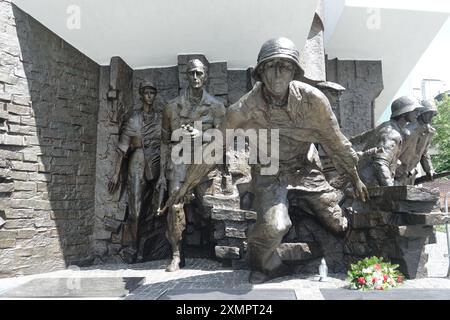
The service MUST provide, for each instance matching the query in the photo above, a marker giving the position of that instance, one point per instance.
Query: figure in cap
(302, 115)
(139, 143)
(196, 104)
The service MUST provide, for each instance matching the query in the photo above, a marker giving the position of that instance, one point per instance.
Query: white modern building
(152, 33)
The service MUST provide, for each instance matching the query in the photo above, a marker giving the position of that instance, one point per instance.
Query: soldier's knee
(279, 221)
(336, 221)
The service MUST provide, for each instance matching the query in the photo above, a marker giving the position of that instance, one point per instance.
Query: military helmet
(195, 64)
(428, 106)
(278, 48)
(404, 105)
(146, 84)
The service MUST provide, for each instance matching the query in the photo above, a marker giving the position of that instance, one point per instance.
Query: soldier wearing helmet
(378, 169)
(139, 142)
(303, 116)
(418, 136)
(195, 104)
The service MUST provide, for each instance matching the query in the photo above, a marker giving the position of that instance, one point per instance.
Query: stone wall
(48, 121)
(118, 82)
(60, 114)
(363, 83)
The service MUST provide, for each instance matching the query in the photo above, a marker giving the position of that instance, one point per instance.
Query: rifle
(435, 176)
(195, 174)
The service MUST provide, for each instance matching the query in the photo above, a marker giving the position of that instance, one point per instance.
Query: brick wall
(48, 121)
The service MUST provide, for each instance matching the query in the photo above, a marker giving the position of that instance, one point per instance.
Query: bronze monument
(303, 116)
(418, 136)
(378, 168)
(196, 104)
(140, 134)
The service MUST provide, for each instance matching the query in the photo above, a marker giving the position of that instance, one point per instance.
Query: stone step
(227, 252)
(415, 231)
(222, 201)
(233, 214)
(427, 218)
(408, 193)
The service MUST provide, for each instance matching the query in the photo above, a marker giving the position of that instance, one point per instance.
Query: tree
(441, 140)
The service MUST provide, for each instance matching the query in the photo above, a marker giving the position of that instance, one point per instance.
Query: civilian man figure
(194, 105)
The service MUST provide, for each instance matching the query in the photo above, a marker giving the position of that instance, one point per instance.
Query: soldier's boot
(175, 263)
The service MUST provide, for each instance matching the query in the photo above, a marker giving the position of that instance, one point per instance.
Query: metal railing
(447, 231)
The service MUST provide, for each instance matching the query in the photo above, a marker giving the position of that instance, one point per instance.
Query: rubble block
(406, 193)
(414, 231)
(236, 230)
(403, 217)
(423, 218)
(412, 263)
(227, 252)
(233, 214)
(222, 201)
(361, 219)
(298, 252)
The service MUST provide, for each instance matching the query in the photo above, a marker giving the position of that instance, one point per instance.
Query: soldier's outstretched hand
(361, 190)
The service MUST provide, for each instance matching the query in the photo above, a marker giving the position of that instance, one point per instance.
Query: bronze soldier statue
(418, 136)
(141, 134)
(378, 168)
(196, 104)
(303, 116)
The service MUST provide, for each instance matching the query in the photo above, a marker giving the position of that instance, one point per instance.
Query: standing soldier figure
(302, 115)
(194, 105)
(417, 141)
(378, 169)
(140, 134)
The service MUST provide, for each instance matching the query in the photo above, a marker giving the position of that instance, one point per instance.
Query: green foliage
(374, 274)
(441, 139)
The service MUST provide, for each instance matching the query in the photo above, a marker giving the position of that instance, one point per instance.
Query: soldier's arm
(331, 137)
(121, 150)
(390, 142)
(425, 160)
(426, 163)
(336, 143)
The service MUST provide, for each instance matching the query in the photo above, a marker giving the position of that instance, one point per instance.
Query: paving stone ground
(203, 275)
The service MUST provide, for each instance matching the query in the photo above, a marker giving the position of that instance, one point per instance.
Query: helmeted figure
(418, 136)
(303, 116)
(196, 104)
(378, 169)
(139, 142)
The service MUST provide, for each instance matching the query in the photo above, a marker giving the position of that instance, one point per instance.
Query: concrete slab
(217, 294)
(75, 287)
(393, 294)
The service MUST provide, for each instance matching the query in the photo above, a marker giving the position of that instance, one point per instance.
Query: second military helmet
(428, 106)
(403, 105)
